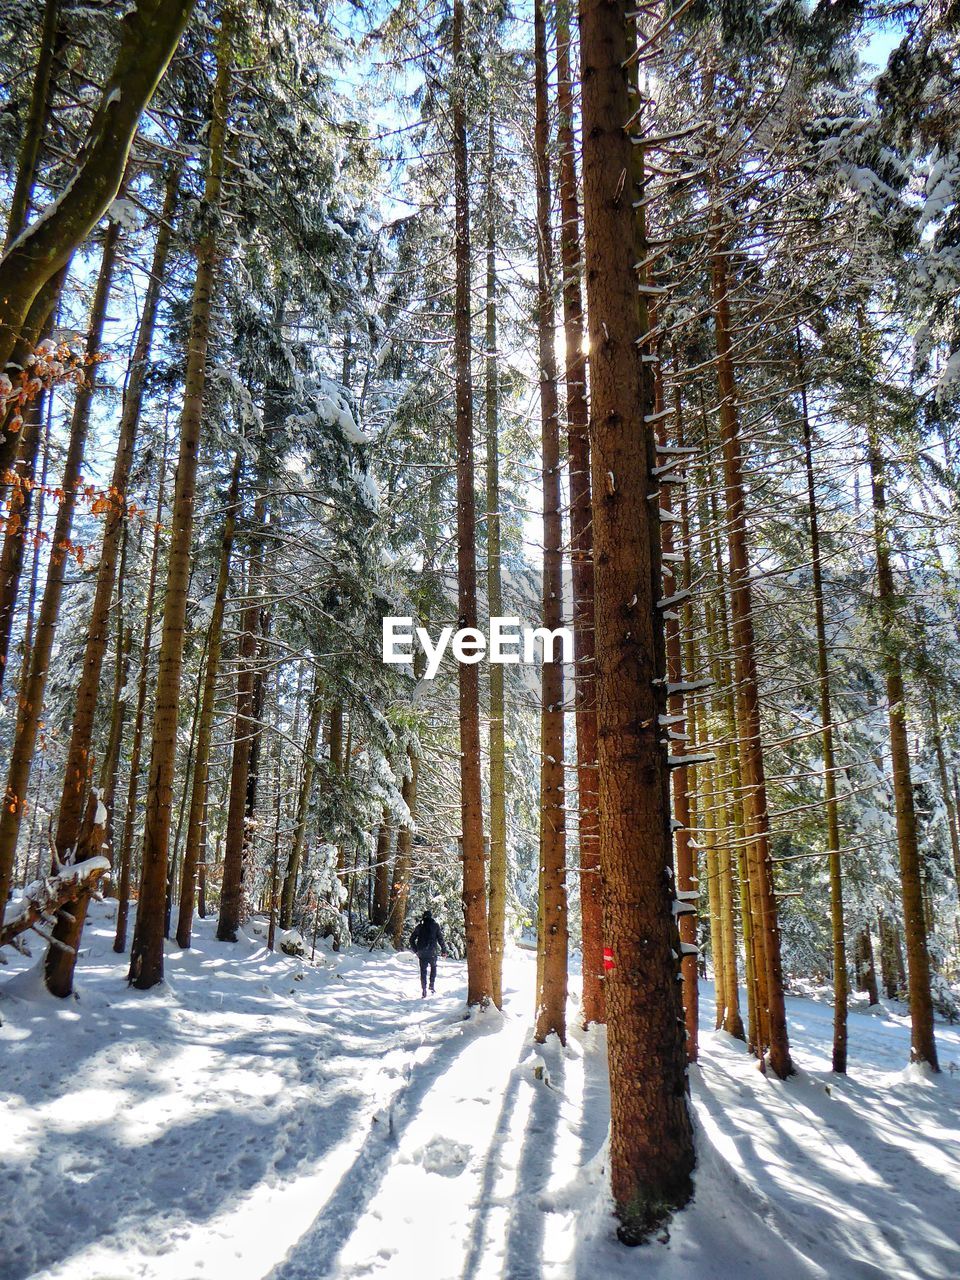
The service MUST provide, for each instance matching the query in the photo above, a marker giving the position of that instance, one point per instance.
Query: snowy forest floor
(260, 1117)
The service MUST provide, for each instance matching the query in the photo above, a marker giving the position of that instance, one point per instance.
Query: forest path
(255, 1117)
(263, 1119)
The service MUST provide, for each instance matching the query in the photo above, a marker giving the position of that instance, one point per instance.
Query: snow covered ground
(261, 1118)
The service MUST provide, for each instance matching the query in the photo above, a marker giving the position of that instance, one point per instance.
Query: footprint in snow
(444, 1157)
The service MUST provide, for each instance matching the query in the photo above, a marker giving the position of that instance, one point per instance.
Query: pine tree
(479, 985)
(196, 833)
(146, 955)
(651, 1142)
(581, 536)
(552, 995)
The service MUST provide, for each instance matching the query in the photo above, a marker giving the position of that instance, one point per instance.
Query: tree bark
(552, 996)
(288, 893)
(498, 766)
(733, 848)
(581, 540)
(235, 840)
(51, 895)
(196, 831)
(674, 732)
(866, 968)
(381, 881)
(892, 969)
(136, 746)
(922, 1043)
(110, 769)
(651, 1140)
(146, 953)
(173, 863)
(708, 810)
(477, 938)
(277, 814)
(93, 836)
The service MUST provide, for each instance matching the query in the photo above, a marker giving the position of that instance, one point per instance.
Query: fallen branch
(46, 897)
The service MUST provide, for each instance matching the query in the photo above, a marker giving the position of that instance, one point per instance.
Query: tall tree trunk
(498, 762)
(76, 769)
(552, 996)
(20, 205)
(945, 788)
(747, 685)
(336, 771)
(30, 702)
(651, 1139)
(146, 953)
(149, 33)
(922, 1044)
(110, 769)
(400, 890)
(289, 891)
(231, 891)
(18, 516)
(35, 124)
(891, 957)
(136, 746)
(173, 863)
(733, 852)
(381, 880)
(263, 620)
(72, 831)
(196, 834)
(581, 540)
(38, 540)
(60, 960)
(336, 737)
(674, 729)
(477, 938)
(727, 833)
(866, 969)
(708, 807)
(829, 763)
(274, 900)
(235, 841)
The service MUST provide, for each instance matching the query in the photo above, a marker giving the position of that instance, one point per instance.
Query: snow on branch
(45, 898)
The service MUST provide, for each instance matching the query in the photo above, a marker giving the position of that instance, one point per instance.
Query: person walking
(427, 941)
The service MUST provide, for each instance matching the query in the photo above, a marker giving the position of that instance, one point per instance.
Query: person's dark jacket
(427, 939)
